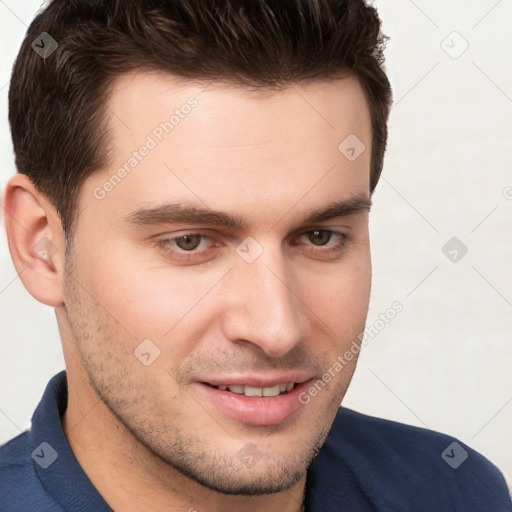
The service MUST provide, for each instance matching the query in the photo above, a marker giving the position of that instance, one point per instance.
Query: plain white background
(445, 361)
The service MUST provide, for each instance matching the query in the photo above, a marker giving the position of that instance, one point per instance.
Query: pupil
(188, 242)
(320, 237)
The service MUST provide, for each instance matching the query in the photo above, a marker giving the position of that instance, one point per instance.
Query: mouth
(281, 388)
(255, 402)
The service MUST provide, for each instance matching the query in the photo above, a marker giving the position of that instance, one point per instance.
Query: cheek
(340, 297)
(148, 298)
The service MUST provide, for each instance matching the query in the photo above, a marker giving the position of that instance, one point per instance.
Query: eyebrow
(173, 213)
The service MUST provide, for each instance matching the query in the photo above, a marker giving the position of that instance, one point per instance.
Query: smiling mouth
(254, 392)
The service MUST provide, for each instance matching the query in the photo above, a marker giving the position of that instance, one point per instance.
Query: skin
(145, 435)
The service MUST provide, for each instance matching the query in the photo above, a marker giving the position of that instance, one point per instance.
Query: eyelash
(165, 244)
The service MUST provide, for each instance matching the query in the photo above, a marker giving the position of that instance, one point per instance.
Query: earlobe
(35, 238)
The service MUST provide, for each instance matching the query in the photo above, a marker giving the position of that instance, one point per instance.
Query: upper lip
(258, 381)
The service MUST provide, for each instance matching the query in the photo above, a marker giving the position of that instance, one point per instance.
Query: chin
(268, 479)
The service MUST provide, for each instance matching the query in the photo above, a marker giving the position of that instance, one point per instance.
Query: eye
(319, 237)
(323, 237)
(187, 246)
(323, 244)
(188, 242)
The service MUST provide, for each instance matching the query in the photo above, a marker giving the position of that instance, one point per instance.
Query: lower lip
(255, 410)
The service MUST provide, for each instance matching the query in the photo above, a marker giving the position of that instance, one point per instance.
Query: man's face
(260, 301)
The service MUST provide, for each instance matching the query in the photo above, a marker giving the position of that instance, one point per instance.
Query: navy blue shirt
(366, 465)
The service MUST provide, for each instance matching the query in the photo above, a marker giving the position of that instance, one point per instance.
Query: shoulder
(20, 487)
(401, 467)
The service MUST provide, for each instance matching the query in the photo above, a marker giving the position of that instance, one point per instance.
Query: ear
(36, 240)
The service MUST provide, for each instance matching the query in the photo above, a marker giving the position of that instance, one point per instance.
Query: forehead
(149, 99)
(173, 139)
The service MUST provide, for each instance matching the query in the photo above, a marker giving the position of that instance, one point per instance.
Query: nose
(262, 305)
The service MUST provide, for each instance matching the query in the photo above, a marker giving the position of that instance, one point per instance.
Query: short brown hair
(57, 104)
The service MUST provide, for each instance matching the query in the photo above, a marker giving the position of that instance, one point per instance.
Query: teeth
(250, 391)
(253, 391)
(273, 391)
